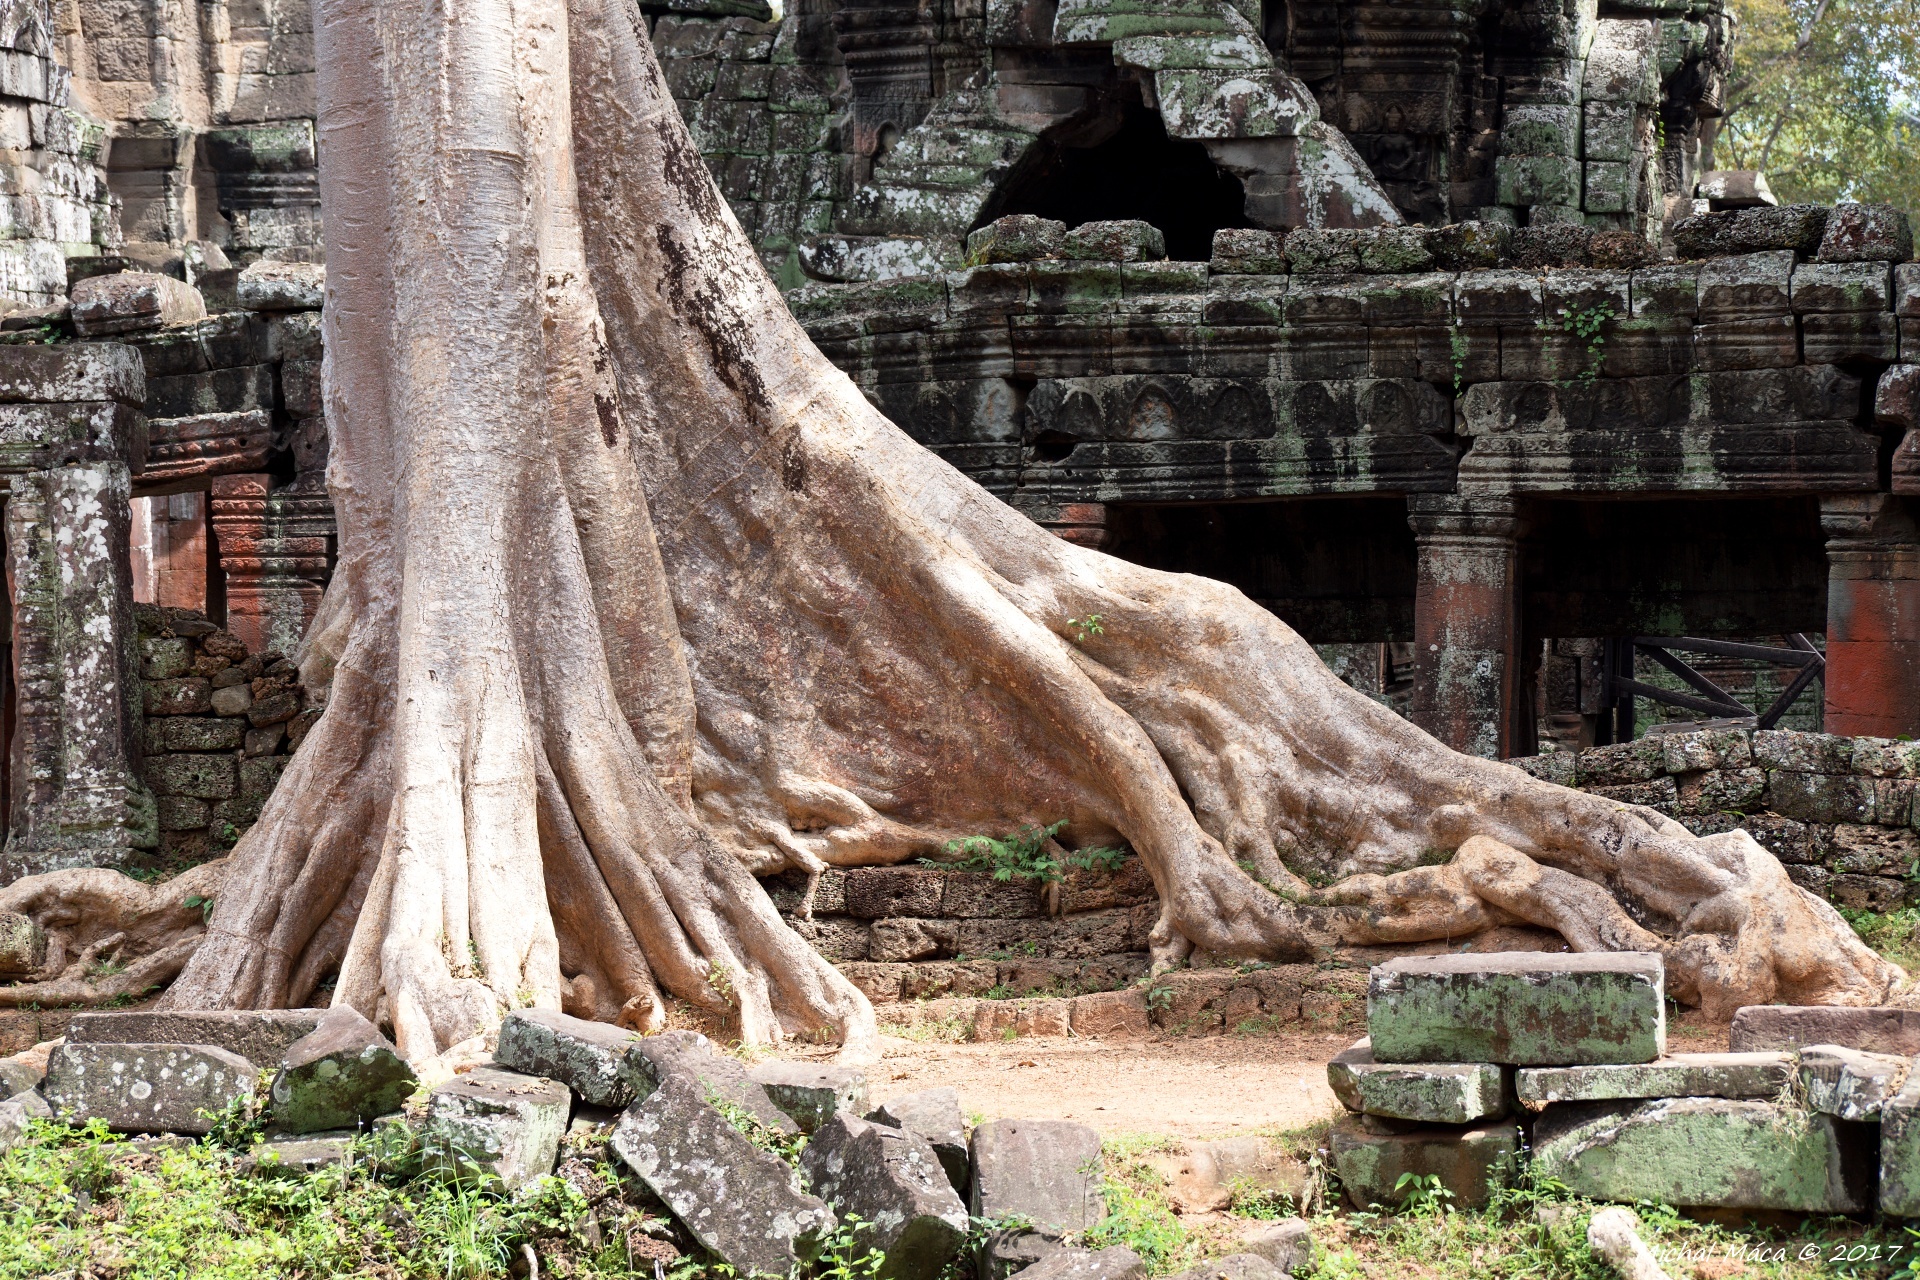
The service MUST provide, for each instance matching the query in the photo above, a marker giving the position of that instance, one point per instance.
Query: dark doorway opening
(1126, 166)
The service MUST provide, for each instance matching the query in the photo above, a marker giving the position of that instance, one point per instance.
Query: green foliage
(1422, 1193)
(845, 1256)
(1024, 855)
(1894, 934)
(239, 1124)
(1140, 1219)
(1825, 99)
(1588, 325)
(787, 1146)
(1091, 625)
(205, 904)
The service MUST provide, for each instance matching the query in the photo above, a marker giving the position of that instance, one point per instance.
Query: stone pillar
(69, 422)
(1873, 614)
(1466, 623)
(274, 559)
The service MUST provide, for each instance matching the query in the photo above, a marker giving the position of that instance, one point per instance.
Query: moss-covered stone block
(1431, 1092)
(209, 777)
(1523, 1008)
(1708, 1153)
(1681, 1075)
(1471, 1164)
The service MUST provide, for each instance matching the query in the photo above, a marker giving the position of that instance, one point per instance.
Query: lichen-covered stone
(1711, 235)
(1850, 1084)
(261, 1036)
(1471, 1163)
(23, 945)
(1287, 1244)
(811, 1092)
(1708, 1153)
(1019, 237)
(741, 1203)
(1112, 1263)
(298, 1157)
(1434, 1092)
(1119, 240)
(1760, 1027)
(651, 1060)
(1900, 1151)
(494, 1127)
(146, 1088)
(587, 1057)
(1047, 1171)
(1866, 233)
(1248, 251)
(1679, 1075)
(133, 301)
(1521, 1008)
(16, 1114)
(933, 1114)
(892, 1179)
(341, 1074)
(282, 286)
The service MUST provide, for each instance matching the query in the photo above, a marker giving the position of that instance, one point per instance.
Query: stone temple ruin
(1429, 327)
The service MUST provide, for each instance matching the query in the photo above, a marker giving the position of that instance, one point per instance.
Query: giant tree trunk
(638, 596)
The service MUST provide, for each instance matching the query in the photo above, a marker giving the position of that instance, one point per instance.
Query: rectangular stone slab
(1785, 1026)
(146, 1088)
(1470, 1163)
(1900, 1151)
(811, 1092)
(1523, 1008)
(1678, 1075)
(260, 1036)
(1707, 1153)
(587, 1057)
(497, 1125)
(1849, 1084)
(1434, 1092)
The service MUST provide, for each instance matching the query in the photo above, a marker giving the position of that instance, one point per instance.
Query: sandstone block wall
(220, 726)
(1838, 811)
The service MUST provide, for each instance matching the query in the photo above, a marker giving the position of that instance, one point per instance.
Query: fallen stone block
(1008, 1253)
(1678, 1075)
(146, 1088)
(132, 302)
(891, 1179)
(16, 1114)
(17, 1075)
(1758, 1027)
(1434, 1092)
(934, 1114)
(494, 1127)
(1848, 1083)
(1207, 1176)
(1126, 240)
(261, 1036)
(1235, 1266)
(1471, 1163)
(742, 1204)
(588, 1057)
(23, 945)
(1524, 1008)
(341, 1074)
(297, 1157)
(652, 1060)
(282, 286)
(1048, 1171)
(1019, 237)
(1287, 1244)
(811, 1092)
(1707, 1153)
(1900, 1152)
(1114, 1263)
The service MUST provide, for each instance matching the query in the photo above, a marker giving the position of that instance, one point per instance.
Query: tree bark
(639, 596)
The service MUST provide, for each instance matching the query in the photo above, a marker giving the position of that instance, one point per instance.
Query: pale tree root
(110, 938)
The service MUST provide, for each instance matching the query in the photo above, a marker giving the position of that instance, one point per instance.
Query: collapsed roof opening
(1123, 165)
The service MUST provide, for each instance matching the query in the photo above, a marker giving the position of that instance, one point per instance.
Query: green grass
(1894, 934)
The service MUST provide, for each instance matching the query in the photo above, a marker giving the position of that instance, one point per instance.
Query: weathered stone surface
(587, 1057)
(23, 945)
(19, 1074)
(1045, 1170)
(1113, 1263)
(1235, 1266)
(811, 1092)
(1678, 1075)
(1900, 1152)
(74, 372)
(1118, 1015)
(1760, 1027)
(282, 286)
(1524, 1008)
(1850, 1083)
(261, 1036)
(892, 1179)
(1121, 240)
(296, 1157)
(16, 1114)
(341, 1074)
(1020, 237)
(1866, 233)
(688, 1054)
(1287, 1244)
(1470, 1163)
(1707, 1152)
(146, 1088)
(1247, 251)
(933, 1114)
(739, 1202)
(1796, 226)
(495, 1127)
(1434, 1092)
(133, 301)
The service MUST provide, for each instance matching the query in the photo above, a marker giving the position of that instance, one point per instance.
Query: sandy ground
(1189, 1087)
